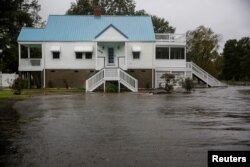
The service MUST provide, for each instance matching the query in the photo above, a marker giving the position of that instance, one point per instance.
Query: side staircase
(111, 74)
(203, 75)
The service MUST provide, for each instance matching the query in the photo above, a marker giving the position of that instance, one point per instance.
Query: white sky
(229, 18)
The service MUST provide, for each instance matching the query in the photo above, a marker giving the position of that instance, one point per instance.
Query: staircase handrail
(88, 86)
(134, 85)
(203, 74)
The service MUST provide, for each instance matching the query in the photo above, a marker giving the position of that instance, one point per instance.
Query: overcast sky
(229, 18)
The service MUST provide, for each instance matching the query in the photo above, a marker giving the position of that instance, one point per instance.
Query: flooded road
(125, 129)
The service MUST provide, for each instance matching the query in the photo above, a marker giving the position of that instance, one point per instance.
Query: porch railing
(129, 81)
(95, 80)
(111, 74)
(167, 37)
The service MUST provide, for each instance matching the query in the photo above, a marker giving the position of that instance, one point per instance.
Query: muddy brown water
(125, 129)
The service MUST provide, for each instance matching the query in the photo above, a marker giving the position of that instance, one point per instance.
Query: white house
(88, 51)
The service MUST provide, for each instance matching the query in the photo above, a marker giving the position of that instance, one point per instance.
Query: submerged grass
(9, 93)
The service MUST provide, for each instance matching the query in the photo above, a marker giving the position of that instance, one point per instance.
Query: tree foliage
(202, 45)
(15, 15)
(237, 59)
(118, 7)
(161, 25)
(108, 7)
(80, 7)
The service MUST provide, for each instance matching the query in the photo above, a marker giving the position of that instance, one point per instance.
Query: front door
(111, 56)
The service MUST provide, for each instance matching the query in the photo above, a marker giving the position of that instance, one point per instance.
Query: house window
(78, 55)
(36, 52)
(24, 52)
(136, 55)
(56, 55)
(162, 53)
(177, 53)
(88, 55)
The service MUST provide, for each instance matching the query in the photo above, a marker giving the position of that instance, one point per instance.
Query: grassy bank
(9, 93)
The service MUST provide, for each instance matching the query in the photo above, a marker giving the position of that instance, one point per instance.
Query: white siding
(67, 56)
(146, 56)
(170, 63)
(111, 34)
(119, 51)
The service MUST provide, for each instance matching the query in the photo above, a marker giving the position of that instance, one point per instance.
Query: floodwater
(126, 129)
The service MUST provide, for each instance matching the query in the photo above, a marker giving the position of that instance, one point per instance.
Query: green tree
(161, 25)
(118, 7)
(244, 52)
(231, 65)
(237, 59)
(15, 15)
(108, 7)
(80, 7)
(202, 45)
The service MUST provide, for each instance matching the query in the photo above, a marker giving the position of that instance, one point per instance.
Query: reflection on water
(125, 129)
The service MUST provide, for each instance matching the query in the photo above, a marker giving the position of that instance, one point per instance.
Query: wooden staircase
(111, 74)
(203, 75)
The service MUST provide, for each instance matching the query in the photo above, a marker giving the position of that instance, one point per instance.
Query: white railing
(96, 80)
(203, 75)
(112, 74)
(170, 37)
(129, 81)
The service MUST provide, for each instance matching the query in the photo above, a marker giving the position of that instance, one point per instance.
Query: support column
(207, 80)
(126, 56)
(96, 55)
(28, 52)
(28, 76)
(19, 52)
(104, 86)
(119, 86)
(44, 79)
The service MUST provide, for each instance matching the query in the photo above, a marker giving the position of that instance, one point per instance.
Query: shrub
(111, 88)
(188, 84)
(18, 85)
(169, 79)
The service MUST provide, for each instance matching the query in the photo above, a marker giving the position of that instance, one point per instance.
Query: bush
(111, 88)
(188, 84)
(169, 79)
(18, 85)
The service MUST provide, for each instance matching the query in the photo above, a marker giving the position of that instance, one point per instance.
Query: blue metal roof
(86, 28)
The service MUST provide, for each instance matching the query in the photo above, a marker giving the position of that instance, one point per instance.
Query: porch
(111, 55)
(30, 57)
